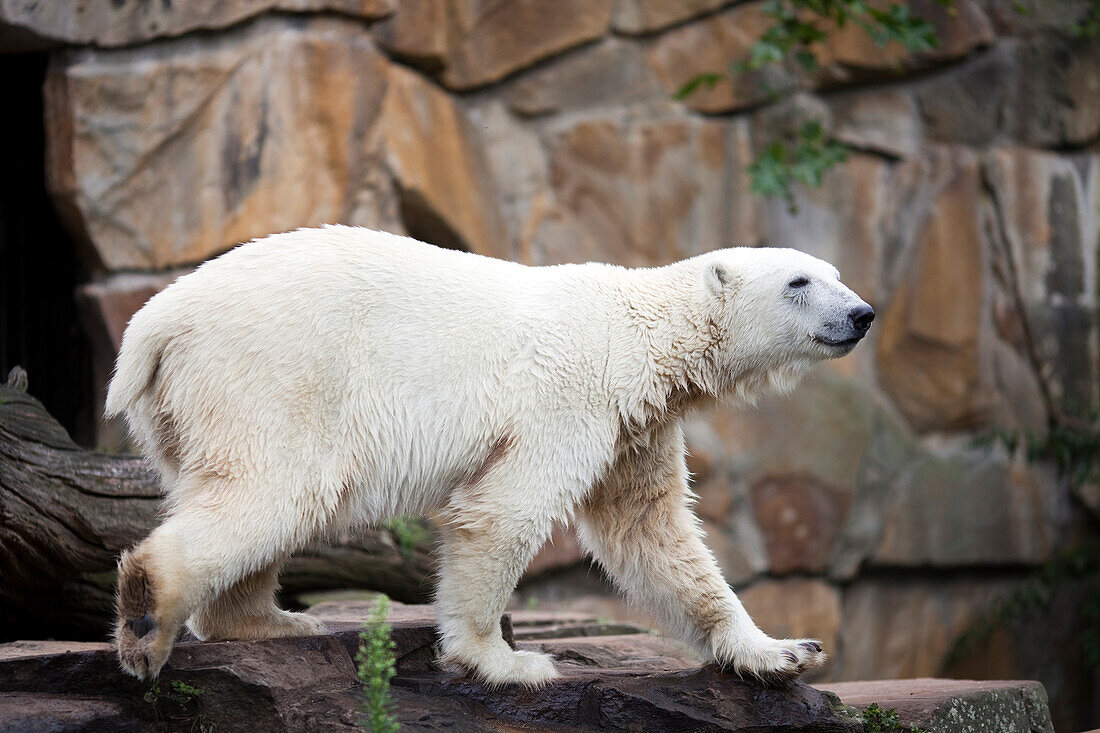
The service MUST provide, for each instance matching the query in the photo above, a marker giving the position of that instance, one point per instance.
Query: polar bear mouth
(838, 343)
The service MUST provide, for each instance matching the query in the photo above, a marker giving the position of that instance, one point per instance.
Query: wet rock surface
(614, 677)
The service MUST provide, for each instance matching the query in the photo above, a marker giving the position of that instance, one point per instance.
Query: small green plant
(376, 666)
(409, 533)
(805, 156)
(877, 720)
(178, 704)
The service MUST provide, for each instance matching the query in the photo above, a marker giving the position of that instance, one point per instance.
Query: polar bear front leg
(639, 526)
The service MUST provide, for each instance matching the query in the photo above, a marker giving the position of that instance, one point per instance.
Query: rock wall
(859, 509)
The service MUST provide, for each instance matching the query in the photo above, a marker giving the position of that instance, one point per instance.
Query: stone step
(633, 681)
(953, 705)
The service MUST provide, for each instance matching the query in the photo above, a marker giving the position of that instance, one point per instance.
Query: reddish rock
(560, 551)
(800, 518)
(934, 704)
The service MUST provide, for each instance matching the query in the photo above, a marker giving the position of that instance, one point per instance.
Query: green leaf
(709, 80)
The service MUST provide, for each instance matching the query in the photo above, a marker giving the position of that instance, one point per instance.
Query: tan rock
(490, 39)
(848, 51)
(712, 45)
(796, 608)
(612, 72)
(962, 510)
(417, 33)
(107, 24)
(894, 629)
(928, 350)
(651, 192)
(447, 194)
(883, 120)
(288, 125)
(165, 156)
(646, 16)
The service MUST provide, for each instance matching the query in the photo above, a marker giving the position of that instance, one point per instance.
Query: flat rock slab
(953, 705)
(610, 682)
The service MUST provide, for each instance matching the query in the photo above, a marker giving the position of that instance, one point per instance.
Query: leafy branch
(797, 27)
(804, 156)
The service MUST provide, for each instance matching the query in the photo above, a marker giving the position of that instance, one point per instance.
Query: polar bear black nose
(861, 317)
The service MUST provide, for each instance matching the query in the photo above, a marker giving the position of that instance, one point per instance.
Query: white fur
(333, 377)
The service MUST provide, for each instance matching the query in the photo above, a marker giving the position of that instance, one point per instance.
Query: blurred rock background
(876, 507)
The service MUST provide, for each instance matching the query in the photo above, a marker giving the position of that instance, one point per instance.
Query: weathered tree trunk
(67, 512)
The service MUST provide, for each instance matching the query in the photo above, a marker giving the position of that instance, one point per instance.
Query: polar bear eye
(798, 282)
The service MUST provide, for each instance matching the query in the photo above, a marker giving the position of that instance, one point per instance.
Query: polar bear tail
(138, 361)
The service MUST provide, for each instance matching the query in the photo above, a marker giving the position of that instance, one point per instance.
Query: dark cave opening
(39, 270)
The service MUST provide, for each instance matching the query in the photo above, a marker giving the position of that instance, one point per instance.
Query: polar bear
(327, 378)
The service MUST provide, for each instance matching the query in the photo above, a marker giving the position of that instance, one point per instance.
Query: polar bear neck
(685, 363)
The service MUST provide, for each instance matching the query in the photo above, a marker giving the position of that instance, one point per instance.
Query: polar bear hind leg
(208, 557)
(248, 611)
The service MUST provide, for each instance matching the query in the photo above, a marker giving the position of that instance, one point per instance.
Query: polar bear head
(780, 310)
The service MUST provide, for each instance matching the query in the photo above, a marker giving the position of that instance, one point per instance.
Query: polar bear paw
(772, 661)
(497, 665)
(143, 646)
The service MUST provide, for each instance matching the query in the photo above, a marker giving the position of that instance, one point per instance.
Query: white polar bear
(332, 377)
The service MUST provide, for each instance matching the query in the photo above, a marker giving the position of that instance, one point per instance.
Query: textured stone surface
(965, 511)
(928, 350)
(646, 16)
(898, 628)
(33, 25)
(647, 193)
(954, 705)
(446, 194)
(609, 73)
(634, 682)
(165, 156)
(712, 45)
(486, 41)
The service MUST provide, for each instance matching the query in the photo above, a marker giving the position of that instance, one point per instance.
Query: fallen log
(66, 513)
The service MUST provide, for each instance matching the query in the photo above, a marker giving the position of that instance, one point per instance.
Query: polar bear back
(358, 353)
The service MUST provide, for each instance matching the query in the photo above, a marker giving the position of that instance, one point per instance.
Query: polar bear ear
(719, 279)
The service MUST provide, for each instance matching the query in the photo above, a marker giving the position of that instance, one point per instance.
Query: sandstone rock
(636, 652)
(800, 518)
(651, 192)
(106, 307)
(948, 705)
(796, 608)
(646, 16)
(1032, 92)
(447, 196)
(885, 121)
(849, 53)
(483, 42)
(896, 629)
(121, 23)
(611, 72)
(712, 45)
(291, 125)
(962, 510)
(417, 33)
(260, 135)
(928, 340)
